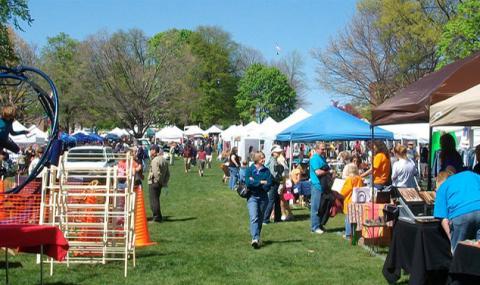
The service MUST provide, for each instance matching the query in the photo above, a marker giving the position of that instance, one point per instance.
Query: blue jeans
(465, 227)
(273, 204)
(314, 206)
(256, 205)
(233, 177)
(348, 227)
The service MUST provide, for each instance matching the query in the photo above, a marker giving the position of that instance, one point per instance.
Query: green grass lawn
(206, 240)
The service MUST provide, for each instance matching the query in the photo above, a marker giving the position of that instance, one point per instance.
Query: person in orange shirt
(353, 180)
(381, 166)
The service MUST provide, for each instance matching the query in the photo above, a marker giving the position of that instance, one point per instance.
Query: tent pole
(371, 176)
(290, 158)
(430, 158)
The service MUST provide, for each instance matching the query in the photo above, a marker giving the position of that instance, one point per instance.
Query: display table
(34, 239)
(465, 267)
(422, 250)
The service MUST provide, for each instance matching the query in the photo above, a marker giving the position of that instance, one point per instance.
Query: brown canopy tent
(412, 103)
(461, 110)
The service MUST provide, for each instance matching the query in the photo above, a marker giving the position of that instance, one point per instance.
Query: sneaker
(256, 244)
(317, 231)
(283, 218)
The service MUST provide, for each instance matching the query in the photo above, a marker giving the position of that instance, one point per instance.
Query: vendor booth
(232, 134)
(119, 132)
(329, 125)
(213, 130)
(420, 246)
(193, 131)
(170, 134)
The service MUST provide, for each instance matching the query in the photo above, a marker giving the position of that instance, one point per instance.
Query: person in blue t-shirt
(457, 203)
(318, 167)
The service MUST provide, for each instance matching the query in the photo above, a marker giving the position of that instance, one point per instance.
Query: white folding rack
(94, 208)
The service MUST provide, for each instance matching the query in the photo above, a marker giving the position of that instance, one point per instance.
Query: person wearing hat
(157, 178)
(276, 169)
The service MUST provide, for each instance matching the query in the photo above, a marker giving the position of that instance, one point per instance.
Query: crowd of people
(273, 188)
(302, 174)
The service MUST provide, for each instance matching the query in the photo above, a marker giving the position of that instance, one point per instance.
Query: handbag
(242, 190)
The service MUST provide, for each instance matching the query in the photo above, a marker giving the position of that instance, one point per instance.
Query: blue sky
(299, 25)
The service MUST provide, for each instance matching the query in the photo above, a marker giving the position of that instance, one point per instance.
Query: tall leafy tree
(217, 82)
(264, 91)
(183, 100)
(461, 35)
(210, 83)
(12, 12)
(61, 62)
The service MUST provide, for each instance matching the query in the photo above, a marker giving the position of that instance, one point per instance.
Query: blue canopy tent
(95, 137)
(90, 138)
(332, 124)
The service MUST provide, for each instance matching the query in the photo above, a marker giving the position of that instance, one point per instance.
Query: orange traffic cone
(142, 237)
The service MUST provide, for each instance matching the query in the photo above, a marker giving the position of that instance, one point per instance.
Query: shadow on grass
(301, 217)
(270, 242)
(171, 219)
(299, 209)
(150, 254)
(334, 230)
(10, 265)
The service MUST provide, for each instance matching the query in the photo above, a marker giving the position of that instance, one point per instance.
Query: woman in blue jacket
(258, 180)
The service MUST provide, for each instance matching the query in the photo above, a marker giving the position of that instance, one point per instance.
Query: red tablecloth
(29, 238)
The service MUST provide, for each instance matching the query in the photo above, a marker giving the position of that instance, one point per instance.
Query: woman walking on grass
(233, 167)
(258, 180)
(201, 159)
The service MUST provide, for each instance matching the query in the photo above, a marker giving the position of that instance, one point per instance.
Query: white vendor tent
(213, 130)
(297, 116)
(35, 136)
(249, 130)
(170, 134)
(267, 129)
(419, 132)
(119, 132)
(459, 110)
(231, 133)
(194, 131)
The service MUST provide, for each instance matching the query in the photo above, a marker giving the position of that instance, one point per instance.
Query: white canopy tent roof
(119, 132)
(35, 135)
(419, 132)
(194, 130)
(213, 130)
(267, 129)
(170, 133)
(297, 116)
(459, 110)
(249, 130)
(231, 133)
